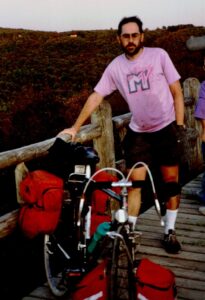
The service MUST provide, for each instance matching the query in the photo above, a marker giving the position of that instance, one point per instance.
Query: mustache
(131, 44)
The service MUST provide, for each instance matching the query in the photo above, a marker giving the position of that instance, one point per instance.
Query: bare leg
(134, 194)
(171, 173)
(170, 241)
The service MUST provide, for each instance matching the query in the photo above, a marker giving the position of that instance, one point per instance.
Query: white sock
(170, 220)
(132, 220)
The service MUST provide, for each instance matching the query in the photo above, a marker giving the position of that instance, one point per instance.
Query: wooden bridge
(188, 266)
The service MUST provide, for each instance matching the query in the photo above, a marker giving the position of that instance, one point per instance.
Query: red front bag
(93, 285)
(154, 282)
(43, 194)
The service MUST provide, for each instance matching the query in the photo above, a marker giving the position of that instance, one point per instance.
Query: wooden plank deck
(189, 265)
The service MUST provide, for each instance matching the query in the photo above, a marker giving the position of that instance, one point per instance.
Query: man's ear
(118, 39)
(142, 37)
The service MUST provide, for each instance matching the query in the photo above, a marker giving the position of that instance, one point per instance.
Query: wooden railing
(100, 131)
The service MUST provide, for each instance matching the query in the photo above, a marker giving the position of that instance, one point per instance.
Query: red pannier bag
(100, 202)
(94, 285)
(42, 193)
(154, 282)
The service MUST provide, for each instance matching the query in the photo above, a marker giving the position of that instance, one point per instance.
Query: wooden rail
(100, 131)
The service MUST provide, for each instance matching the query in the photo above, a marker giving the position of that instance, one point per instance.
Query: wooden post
(191, 90)
(20, 173)
(104, 144)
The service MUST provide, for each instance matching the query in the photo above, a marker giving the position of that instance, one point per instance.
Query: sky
(68, 15)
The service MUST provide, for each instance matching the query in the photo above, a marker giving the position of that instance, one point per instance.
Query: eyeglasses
(127, 36)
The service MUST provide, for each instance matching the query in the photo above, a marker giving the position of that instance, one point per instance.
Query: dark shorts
(158, 147)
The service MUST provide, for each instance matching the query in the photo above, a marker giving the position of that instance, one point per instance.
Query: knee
(171, 189)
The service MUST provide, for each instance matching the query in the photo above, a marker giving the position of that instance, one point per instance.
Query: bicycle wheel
(63, 261)
(122, 286)
(57, 249)
(54, 267)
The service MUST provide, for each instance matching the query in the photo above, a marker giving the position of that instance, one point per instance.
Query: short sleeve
(106, 84)
(169, 69)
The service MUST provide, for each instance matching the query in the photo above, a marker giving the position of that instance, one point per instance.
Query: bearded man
(148, 81)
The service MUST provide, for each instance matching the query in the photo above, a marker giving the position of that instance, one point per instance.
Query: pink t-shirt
(144, 84)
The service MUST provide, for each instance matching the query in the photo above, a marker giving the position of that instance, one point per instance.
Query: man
(200, 114)
(148, 81)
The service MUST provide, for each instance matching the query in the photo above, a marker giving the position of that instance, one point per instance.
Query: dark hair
(126, 20)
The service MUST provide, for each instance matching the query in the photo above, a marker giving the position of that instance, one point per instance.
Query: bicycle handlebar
(113, 184)
(106, 185)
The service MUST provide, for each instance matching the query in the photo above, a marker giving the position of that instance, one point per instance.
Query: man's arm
(91, 104)
(177, 94)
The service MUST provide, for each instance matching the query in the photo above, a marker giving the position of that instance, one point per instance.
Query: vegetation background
(45, 78)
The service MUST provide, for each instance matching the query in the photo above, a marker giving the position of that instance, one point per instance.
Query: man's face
(131, 40)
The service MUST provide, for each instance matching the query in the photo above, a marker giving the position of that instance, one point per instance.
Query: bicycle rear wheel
(57, 249)
(54, 267)
(63, 261)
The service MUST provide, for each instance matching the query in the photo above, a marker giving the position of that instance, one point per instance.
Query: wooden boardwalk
(188, 266)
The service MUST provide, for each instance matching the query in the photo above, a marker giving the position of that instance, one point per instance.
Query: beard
(131, 49)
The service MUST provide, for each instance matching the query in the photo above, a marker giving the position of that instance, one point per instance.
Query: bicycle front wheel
(54, 267)
(121, 268)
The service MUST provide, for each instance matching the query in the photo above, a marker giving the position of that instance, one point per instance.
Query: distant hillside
(46, 76)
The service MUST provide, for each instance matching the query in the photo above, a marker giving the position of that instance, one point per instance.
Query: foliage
(47, 76)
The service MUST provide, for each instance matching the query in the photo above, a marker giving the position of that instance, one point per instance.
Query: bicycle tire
(121, 269)
(54, 267)
(61, 258)
(55, 262)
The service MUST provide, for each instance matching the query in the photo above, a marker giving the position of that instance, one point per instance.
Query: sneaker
(170, 243)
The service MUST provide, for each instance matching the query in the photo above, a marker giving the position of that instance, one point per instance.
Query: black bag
(63, 156)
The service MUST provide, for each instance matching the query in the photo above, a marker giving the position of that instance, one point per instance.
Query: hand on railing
(70, 131)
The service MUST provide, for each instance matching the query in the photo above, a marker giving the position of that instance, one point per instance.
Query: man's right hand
(71, 131)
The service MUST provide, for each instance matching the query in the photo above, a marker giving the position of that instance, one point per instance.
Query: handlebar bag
(43, 195)
(154, 281)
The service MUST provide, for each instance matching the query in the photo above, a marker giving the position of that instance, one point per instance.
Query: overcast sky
(66, 15)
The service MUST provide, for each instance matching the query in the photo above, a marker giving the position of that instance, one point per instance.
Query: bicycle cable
(156, 201)
(101, 170)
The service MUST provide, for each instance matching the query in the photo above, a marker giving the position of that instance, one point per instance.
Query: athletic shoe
(170, 243)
